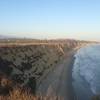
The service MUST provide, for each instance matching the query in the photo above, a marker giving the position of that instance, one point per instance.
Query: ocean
(86, 72)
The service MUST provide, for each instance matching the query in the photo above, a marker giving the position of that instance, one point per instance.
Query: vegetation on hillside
(26, 65)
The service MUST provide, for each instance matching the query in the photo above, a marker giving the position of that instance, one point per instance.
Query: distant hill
(8, 37)
(3, 37)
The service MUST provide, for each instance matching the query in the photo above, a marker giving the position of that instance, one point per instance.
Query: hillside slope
(26, 65)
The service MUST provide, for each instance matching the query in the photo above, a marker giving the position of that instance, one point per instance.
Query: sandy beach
(59, 81)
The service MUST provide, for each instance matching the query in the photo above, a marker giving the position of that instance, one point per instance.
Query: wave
(87, 67)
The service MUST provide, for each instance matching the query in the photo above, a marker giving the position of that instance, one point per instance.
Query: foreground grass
(18, 94)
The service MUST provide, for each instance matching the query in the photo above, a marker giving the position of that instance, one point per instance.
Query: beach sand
(59, 81)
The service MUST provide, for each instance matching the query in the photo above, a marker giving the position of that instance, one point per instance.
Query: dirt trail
(59, 81)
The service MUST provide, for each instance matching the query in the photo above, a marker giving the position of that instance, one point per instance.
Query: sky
(79, 19)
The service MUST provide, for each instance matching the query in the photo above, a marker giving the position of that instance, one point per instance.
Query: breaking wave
(86, 71)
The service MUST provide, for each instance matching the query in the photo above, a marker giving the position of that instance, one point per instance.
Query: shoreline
(59, 82)
(70, 88)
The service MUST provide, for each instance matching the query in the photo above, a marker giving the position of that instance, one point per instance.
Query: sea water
(86, 72)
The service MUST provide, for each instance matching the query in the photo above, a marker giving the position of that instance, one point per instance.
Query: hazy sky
(50, 18)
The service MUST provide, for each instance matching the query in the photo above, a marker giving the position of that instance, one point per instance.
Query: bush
(96, 97)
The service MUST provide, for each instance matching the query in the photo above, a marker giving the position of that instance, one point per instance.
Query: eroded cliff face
(27, 65)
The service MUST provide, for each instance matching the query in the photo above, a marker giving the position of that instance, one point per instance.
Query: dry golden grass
(18, 94)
